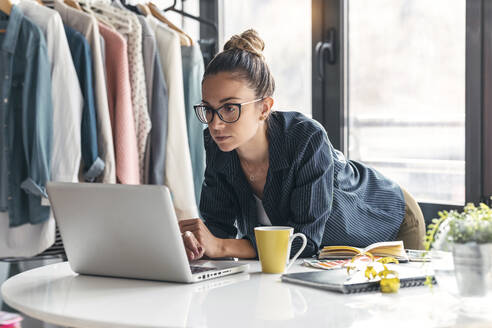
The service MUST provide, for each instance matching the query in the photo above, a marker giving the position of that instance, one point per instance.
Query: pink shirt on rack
(120, 106)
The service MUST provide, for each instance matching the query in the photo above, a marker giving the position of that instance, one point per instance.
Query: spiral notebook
(340, 281)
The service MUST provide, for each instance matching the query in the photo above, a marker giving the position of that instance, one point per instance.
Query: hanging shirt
(93, 165)
(103, 55)
(120, 107)
(160, 122)
(67, 104)
(179, 176)
(193, 70)
(26, 117)
(87, 25)
(132, 30)
(27, 120)
(155, 156)
(149, 50)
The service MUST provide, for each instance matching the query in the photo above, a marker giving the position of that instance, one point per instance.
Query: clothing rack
(201, 20)
(55, 251)
(209, 46)
(209, 49)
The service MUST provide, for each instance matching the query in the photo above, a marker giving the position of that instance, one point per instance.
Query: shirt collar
(13, 27)
(228, 162)
(69, 14)
(62, 9)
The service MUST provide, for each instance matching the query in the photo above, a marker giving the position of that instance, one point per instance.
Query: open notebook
(340, 281)
(388, 248)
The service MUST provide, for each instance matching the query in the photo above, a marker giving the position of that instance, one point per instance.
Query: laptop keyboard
(198, 269)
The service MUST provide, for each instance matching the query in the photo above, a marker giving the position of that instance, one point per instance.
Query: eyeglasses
(228, 113)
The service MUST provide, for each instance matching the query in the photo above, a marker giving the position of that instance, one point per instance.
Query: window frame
(329, 95)
(209, 10)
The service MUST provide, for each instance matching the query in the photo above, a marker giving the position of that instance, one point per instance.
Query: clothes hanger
(144, 9)
(99, 17)
(5, 7)
(87, 7)
(209, 42)
(185, 14)
(120, 22)
(72, 3)
(48, 3)
(186, 40)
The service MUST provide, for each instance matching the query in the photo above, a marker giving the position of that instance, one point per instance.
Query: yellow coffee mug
(274, 247)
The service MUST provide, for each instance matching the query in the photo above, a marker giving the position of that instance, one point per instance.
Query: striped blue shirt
(310, 186)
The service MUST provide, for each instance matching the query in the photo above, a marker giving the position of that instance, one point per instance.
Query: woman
(279, 168)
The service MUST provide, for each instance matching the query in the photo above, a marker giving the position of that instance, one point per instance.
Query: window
(285, 26)
(405, 93)
(402, 85)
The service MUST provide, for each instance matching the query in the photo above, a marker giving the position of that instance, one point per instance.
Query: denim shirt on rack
(81, 55)
(26, 119)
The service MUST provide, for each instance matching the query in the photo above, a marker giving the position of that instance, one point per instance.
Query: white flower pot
(473, 268)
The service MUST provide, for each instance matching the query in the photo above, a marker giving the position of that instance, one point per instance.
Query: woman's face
(223, 88)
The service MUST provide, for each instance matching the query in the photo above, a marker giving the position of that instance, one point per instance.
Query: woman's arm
(214, 247)
(241, 248)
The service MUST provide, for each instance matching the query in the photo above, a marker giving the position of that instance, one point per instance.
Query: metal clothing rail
(201, 20)
(55, 251)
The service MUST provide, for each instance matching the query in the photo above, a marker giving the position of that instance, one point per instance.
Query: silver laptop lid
(120, 230)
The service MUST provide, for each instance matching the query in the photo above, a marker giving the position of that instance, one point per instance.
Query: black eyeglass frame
(216, 111)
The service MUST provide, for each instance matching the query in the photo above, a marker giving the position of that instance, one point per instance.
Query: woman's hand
(194, 250)
(211, 244)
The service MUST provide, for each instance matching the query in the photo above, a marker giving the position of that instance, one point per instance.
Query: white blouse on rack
(179, 174)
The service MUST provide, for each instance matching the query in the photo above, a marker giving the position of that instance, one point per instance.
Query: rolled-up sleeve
(93, 165)
(37, 122)
(312, 196)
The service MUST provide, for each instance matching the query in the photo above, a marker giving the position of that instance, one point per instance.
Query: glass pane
(406, 93)
(285, 26)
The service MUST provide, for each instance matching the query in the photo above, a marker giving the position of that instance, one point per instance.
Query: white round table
(57, 295)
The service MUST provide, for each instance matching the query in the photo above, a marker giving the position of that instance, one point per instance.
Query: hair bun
(248, 41)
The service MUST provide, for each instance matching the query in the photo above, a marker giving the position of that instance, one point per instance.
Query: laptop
(128, 231)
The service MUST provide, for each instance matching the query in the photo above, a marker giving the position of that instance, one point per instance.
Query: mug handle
(304, 243)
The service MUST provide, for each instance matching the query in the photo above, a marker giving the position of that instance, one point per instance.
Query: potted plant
(469, 235)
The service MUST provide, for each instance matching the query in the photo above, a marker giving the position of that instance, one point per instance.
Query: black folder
(339, 281)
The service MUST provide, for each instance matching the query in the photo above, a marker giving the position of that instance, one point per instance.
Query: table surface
(57, 295)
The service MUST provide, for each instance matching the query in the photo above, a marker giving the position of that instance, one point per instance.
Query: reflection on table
(56, 294)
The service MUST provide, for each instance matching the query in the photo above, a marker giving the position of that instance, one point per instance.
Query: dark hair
(242, 55)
